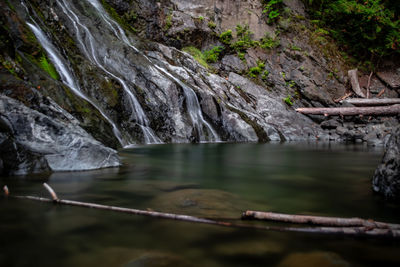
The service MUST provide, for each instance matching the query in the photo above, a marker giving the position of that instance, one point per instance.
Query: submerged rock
(32, 142)
(158, 260)
(200, 202)
(386, 179)
(316, 258)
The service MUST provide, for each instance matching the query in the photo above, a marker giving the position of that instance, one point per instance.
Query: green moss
(48, 67)
(212, 25)
(294, 48)
(197, 55)
(120, 20)
(168, 22)
(110, 92)
(10, 5)
(288, 100)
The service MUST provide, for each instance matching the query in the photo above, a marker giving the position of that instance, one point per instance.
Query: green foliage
(130, 17)
(208, 56)
(288, 100)
(212, 25)
(367, 28)
(114, 14)
(255, 71)
(242, 55)
(226, 37)
(168, 22)
(197, 55)
(201, 18)
(268, 42)
(212, 55)
(273, 9)
(264, 75)
(294, 48)
(244, 40)
(48, 67)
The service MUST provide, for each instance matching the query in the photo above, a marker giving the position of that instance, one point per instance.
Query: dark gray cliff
(118, 68)
(386, 179)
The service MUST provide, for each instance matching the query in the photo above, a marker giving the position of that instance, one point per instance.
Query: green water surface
(216, 181)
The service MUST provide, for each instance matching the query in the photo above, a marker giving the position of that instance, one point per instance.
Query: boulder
(386, 179)
(32, 142)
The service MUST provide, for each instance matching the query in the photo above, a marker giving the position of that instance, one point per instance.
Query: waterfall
(90, 47)
(66, 74)
(192, 103)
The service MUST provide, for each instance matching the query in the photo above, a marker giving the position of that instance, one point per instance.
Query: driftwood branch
(346, 231)
(355, 85)
(369, 84)
(373, 101)
(318, 220)
(6, 191)
(51, 192)
(352, 111)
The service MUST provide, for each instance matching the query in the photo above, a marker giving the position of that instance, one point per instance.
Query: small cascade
(192, 101)
(193, 106)
(66, 74)
(107, 63)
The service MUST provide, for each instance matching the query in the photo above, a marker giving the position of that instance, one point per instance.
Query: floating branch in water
(319, 220)
(6, 191)
(347, 231)
(51, 191)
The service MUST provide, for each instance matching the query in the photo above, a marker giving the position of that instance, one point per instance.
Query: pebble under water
(208, 180)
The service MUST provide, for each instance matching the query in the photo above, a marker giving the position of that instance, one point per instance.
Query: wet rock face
(386, 179)
(31, 141)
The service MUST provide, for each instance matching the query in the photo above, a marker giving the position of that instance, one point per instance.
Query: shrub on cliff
(368, 29)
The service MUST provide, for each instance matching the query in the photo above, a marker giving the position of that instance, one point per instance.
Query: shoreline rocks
(32, 142)
(386, 180)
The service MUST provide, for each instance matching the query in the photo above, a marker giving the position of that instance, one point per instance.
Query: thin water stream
(192, 103)
(207, 180)
(66, 74)
(93, 48)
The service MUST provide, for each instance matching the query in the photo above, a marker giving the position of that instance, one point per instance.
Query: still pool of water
(206, 180)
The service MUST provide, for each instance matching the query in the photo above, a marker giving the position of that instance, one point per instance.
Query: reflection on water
(208, 180)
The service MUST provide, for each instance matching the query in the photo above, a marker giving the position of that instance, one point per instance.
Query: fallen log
(355, 85)
(372, 101)
(345, 231)
(353, 111)
(318, 220)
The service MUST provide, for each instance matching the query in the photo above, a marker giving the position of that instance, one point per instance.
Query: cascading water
(108, 63)
(192, 103)
(66, 74)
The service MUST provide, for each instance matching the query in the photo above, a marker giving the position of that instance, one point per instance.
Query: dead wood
(318, 220)
(345, 231)
(355, 85)
(373, 101)
(353, 111)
